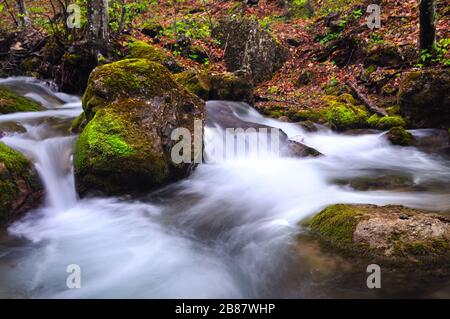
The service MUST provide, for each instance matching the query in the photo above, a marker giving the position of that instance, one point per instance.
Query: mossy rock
(131, 108)
(232, 87)
(77, 125)
(142, 50)
(197, 83)
(386, 122)
(20, 187)
(152, 28)
(125, 79)
(395, 235)
(399, 136)
(249, 47)
(11, 102)
(424, 100)
(346, 116)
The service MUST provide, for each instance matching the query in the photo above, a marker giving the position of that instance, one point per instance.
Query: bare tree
(427, 24)
(98, 19)
(23, 13)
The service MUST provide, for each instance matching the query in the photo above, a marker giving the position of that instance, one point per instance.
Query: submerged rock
(297, 149)
(399, 136)
(20, 187)
(394, 234)
(11, 102)
(249, 47)
(131, 108)
(424, 100)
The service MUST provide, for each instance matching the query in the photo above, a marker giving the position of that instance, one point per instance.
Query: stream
(230, 230)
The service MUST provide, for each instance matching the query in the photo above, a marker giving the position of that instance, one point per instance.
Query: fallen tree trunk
(373, 108)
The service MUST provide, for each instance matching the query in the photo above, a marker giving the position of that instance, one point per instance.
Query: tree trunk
(98, 19)
(23, 13)
(427, 24)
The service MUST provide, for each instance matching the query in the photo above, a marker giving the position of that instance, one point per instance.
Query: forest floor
(329, 43)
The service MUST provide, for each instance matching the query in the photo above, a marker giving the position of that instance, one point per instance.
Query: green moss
(143, 50)
(13, 160)
(373, 120)
(436, 247)
(104, 136)
(385, 122)
(11, 102)
(347, 99)
(8, 191)
(393, 110)
(342, 116)
(336, 89)
(112, 153)
(12, 164)
(336, 223)
(399, 136)
(151, 28)
(370, 69)
(388, 122)
(78, 123)
(126, 78)
(196, 83)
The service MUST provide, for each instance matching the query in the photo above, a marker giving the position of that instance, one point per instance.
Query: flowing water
(230, 230)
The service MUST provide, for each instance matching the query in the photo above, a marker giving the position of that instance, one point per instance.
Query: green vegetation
(399, 136)
(11, 102)
(143, 50)
(336, 223)
(386, 122)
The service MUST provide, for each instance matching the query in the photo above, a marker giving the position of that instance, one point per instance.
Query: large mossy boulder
(131, 108)
(391, 234)
(20, 187)
(424, 100)
(11, 102)
(250, 48)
